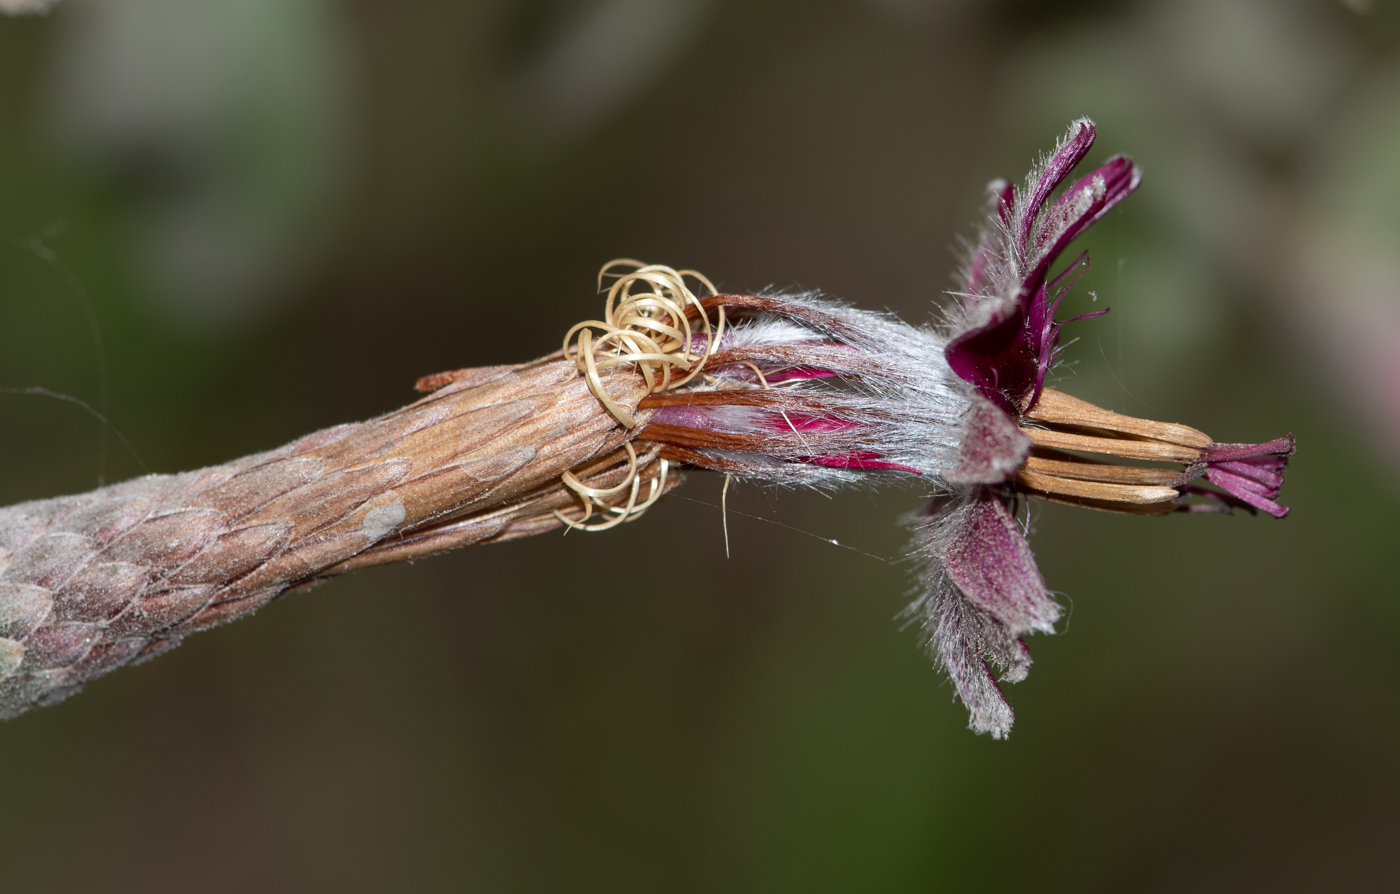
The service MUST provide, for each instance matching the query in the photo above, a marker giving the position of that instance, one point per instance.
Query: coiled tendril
(645, 326)
(648, 330)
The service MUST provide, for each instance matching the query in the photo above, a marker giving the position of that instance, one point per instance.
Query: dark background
(227, 224)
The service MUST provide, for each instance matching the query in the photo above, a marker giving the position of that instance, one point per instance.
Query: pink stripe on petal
(802, 422)
(864, 460)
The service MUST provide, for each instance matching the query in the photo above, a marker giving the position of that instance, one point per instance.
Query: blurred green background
(226, 224)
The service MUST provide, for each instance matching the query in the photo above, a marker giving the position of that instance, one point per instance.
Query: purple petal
(1249, 474)
(1003, 196)
(992, 449)
(1068, 154)
(1009, 345)
(1279, 447)
(990, 562)
(1090, 198)
(1220, 477)
(1253, 472)
(1105, 187)
(1244, 490)
(1006, 200)
(996, 356)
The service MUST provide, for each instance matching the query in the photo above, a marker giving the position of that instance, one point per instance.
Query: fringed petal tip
(986, 557)
(971, 647)
(962, 640)
(987, 708)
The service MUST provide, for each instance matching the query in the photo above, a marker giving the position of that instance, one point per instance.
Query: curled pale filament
(593, 497)
(645, 326)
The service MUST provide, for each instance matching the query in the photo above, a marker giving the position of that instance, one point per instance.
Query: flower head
(1007, 337)
(799, 389)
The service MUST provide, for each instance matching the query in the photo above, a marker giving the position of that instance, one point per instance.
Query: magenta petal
(1009, 344)
(1279, 447)
(1250, 474)
(1003, 196)
(1090, 198)
(1100, 190)
(996, 357)
(799, 372)
(993, 448)
(1253, 472)
(1245, 491)
(991, 563)
(1236, 483)
(1069, 154)
(1006, 200)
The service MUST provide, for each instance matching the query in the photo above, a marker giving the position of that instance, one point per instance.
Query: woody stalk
(778, 387)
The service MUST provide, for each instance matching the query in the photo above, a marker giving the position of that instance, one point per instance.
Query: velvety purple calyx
(992, 449)
(992, 565)
(983, 594)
